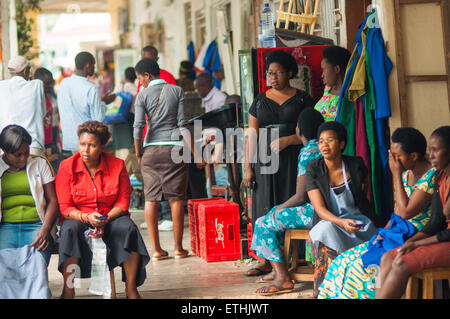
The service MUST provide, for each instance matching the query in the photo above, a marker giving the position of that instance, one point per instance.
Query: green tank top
(18, 205)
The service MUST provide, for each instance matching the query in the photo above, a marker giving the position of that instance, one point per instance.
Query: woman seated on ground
(296, 212)
(353, 273)
(29, 206)
(336, 186)
(92, 184)
(429, 248)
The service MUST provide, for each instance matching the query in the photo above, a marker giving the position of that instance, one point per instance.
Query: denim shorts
(17, 235)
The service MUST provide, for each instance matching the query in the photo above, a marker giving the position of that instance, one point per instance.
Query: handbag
(119, 114)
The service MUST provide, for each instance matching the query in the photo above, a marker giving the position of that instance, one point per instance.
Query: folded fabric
(393, 237)
(23, 274)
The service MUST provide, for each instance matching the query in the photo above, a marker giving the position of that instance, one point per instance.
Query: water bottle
(268, 27)
(260, 35)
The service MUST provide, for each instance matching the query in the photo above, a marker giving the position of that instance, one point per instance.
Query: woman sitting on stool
(336, 185)
(91, 184)
(429, 248)
(295, 213)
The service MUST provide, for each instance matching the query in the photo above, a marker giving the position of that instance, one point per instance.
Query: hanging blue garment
(381, 67)
(191, 53)
(211, 62)
(393, 237)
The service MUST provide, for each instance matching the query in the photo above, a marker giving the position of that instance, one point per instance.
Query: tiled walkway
(183, 278)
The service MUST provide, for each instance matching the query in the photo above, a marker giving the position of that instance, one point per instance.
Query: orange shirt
(77, 190)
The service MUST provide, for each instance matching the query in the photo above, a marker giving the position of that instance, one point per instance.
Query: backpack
(118, 114)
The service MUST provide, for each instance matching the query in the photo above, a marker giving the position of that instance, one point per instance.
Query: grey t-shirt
(169, 116)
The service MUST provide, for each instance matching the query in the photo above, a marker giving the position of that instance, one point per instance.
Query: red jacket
(76, 190)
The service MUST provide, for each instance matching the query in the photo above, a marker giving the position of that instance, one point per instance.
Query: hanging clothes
(191, 57)
(211, 62)
(366, 83)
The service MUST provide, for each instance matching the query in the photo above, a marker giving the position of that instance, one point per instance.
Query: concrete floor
(189, 278)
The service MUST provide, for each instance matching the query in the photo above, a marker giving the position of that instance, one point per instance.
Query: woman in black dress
(274, 110)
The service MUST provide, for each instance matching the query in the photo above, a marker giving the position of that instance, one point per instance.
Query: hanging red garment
(361, 144)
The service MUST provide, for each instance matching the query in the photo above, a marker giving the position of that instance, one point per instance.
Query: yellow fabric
(358, 86)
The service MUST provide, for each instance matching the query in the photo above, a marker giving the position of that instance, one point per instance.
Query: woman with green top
(334, 66)
(353, 274)
(29, 205)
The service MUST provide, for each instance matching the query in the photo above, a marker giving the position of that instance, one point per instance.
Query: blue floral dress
(268, 236)
(347, 278)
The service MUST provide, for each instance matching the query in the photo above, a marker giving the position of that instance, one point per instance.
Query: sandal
(162, 256)
(181, 255)
(278, 290)
(256, 272)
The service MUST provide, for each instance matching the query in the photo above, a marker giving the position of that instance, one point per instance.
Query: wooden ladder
(302, 18)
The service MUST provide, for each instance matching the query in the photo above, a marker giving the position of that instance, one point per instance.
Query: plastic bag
(100, 284)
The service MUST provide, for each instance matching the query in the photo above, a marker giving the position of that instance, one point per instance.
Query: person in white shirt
(79, 101)
(211, 96)
(23, 103)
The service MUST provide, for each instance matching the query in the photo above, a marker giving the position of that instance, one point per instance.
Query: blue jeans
(17, 235)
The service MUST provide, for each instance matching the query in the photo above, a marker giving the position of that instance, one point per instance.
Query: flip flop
(160, 257)
(280, 290)
(258, 272)
(181, 255)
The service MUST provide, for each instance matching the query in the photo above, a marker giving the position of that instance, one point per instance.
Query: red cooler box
(219, 232)
(193, 220)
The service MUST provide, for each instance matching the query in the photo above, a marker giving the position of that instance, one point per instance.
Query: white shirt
(214, 99)
(23, 103)
(39, 173)
(78, 102)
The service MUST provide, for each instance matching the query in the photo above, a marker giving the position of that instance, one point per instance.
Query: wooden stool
(297, 272)
(428, 277)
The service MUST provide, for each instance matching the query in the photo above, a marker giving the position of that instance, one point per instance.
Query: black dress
(276, 187)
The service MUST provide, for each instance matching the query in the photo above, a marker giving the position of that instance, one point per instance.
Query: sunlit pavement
(188, 278)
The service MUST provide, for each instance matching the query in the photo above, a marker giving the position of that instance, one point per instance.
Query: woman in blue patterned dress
(353, 274)
(297, 212)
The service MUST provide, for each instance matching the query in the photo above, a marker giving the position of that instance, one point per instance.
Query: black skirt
(121, 236)
(274, 189)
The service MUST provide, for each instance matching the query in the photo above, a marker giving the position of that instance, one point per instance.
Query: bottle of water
(260, 35)
(268, 27)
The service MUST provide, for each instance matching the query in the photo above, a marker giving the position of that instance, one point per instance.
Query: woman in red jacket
(91, 185)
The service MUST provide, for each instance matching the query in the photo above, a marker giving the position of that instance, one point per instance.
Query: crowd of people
(59, 180)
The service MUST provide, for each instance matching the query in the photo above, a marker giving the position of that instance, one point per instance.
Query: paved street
(183, 278)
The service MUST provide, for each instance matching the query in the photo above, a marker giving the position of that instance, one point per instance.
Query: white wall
(175, 49)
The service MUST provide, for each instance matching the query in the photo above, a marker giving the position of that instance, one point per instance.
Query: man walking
(23, 103)
(79, 101)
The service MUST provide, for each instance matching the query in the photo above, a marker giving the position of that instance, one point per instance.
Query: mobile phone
(103, 217)
(357, 224)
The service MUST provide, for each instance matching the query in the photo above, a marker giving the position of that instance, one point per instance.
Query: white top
(23, 103)
(39, 173)
(214, 99)
(79, 101)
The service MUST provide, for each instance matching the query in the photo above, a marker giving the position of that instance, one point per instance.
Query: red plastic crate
(193, 220)
(219, 231)
(309, 59)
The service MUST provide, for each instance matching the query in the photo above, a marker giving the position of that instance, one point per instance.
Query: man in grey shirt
(79, 101)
